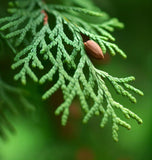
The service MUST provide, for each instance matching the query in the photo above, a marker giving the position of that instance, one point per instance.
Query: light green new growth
(62, 47)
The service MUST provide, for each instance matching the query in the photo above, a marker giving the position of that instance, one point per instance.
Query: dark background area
(41, 136)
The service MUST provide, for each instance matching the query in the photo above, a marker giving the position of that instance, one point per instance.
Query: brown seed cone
(93, 49)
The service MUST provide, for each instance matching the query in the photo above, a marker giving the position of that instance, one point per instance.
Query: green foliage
(60, 43)
(8, 105)
(83, 4)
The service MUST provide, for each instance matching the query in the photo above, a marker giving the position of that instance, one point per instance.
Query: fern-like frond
(61, 46)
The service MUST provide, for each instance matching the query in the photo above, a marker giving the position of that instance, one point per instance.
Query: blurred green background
(39, 135)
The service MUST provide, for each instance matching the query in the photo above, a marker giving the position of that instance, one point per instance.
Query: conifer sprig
(61, 45)
(9, 105)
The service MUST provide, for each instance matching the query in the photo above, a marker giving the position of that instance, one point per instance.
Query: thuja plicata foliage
(48, 39)
(7, 103)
